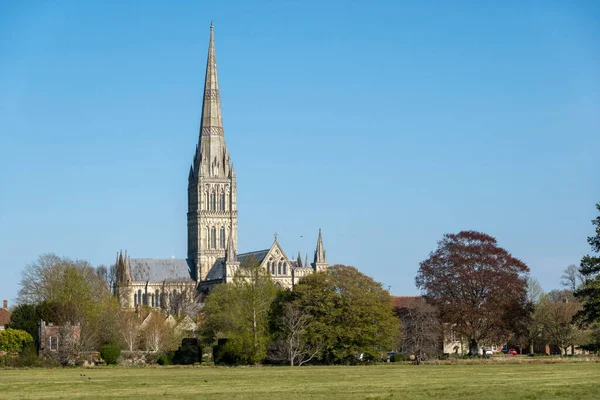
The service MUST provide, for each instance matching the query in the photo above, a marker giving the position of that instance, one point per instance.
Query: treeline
(339, 316)
(477, 294)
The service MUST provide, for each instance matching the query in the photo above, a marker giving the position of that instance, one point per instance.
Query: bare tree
(154, 332)
(109, 276)
(69, 345)
(535, 292)
(130, 329)
(421, 330)
(293, 345)
(572, 279)
(178, 297)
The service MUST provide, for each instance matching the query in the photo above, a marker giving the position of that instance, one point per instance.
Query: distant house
(4, 315)
(54, 337)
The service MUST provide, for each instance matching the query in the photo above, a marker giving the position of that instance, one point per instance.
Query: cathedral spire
(320, 261)
(320, 251)
(299, 261)
(212, 121)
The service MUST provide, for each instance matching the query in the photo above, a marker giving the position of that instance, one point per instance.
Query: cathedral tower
(212, 210)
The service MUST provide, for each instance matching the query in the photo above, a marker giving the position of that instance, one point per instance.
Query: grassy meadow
(579, 380)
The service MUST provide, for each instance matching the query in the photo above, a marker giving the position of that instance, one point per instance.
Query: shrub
(398, 357)
(110, 353)
(165, 359)
(14, 340)
(188, 353)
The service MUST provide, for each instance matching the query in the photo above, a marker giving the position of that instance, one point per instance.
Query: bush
(14, 340)
(399, 357)
(110, 353)
(223, 355)
(165, 359)
(188, 353)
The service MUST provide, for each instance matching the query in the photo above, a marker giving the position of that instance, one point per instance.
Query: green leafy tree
(589, 293)
(71, 292)
(14, 340)
(239, 312)
(24, 317)
(555, 314)
(350, 315)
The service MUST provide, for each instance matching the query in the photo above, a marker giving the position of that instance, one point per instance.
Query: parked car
(512, 352)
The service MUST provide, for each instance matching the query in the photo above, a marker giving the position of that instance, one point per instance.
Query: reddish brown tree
(475, 284)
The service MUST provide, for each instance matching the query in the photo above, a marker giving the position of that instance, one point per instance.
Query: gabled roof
(158, 270)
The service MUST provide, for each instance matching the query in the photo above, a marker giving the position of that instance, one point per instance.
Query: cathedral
(212, 227)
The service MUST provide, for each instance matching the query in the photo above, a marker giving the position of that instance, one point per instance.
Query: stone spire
(230, 255)
(212, 120)
(299, 261)
(320, 261)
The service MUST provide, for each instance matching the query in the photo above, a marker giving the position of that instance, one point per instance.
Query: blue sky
(386, 124)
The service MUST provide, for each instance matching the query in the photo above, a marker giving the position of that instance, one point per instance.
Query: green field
(489, 381)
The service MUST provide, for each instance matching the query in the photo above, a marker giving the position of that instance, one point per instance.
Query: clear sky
(385, 123)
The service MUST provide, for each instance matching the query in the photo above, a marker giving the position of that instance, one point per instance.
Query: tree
(239, 312)
(533, 326)
(474, 283)
(24, 317)
(14, 340)
(292, 344)
(421, 329)
(71, 292)
(130, 329)
(155, 332)
(351, 315)
(572, 279)
(555, 313)
(589, 293)
(109, 276)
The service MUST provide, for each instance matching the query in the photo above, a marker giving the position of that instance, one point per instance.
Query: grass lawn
(489, 381)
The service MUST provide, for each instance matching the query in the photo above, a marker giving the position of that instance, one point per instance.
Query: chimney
(5, 304)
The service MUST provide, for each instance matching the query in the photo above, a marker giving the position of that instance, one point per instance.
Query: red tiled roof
(4, 317)
(408, 301)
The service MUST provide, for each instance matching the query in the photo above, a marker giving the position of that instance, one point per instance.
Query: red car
(512, 352)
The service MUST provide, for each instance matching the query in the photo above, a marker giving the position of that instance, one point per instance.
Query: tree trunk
(473, 348)
(531, 350)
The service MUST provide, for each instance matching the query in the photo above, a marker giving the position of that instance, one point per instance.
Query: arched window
(152, 297)
(222, 202)
(140, 298)
(284, 268)
(213, 238)
(144, 299)
(206, 201)
(272, 263)
(279, 268)
(222, 238)
(213, 202)
(135, 300)
(157, 298)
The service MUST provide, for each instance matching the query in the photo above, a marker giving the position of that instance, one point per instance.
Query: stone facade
(212, 226)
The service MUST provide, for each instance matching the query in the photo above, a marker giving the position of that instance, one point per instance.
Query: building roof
(158, 270)
(259, 255)
(408, 301)
(4, 317)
